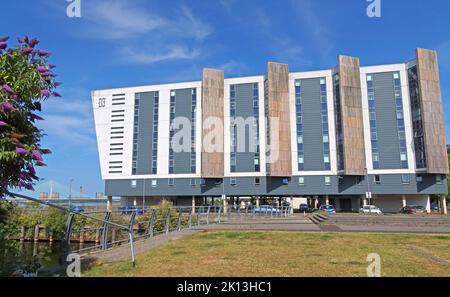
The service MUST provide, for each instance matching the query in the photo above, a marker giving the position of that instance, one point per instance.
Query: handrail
(70, 220)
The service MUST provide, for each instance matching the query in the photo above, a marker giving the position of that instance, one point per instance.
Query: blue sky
(135, 42)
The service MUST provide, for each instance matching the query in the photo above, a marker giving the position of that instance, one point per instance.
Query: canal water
(40, 259)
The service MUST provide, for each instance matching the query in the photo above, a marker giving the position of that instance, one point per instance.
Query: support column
(291, 203)
(257, 201)
(316, 202)
(327, 200)
(444, 209)
(109, 203)
(364, 201)
(193, 204)
(135, 201)
(428, 207)
(224, 204)
(404, 200)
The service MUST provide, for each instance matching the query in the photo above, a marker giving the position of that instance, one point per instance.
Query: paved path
(123, 252)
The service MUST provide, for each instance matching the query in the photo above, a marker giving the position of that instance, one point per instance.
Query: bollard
(36, 233)
(97, 236)
(82, 235)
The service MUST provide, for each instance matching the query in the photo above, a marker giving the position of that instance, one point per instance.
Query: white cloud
(314, 25)
(176, 52)
(233, 68)
(68, 121)
(119, 19)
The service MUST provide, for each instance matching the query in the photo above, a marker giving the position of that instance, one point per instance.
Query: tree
(26, 79)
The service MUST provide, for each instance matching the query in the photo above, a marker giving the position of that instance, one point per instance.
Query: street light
(70, 192)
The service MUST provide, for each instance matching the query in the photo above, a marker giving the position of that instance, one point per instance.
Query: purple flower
(37, 155)
(26, 50)
(15, 97)
(3, 45)
(43, 53)
(45, 93)
(4, 38)
(29, 187)
(33, 42)
(56, 94)
(7, 107)
(7, 88)
(21, 151)
(3, 124)
(51, 66)
(27, 39)
(41, 69)
(20, 40)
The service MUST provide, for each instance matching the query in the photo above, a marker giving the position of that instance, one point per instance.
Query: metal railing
(103, 230)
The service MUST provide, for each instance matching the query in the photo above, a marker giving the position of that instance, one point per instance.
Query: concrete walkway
(123, 253)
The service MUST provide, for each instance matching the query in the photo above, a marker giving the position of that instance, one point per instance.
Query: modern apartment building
(346, 136)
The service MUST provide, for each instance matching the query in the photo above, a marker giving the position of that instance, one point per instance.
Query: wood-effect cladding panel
(279, 113)
(352, 115)
(213, 107)
(432, 113)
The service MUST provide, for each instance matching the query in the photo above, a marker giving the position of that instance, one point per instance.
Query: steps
(318, 218)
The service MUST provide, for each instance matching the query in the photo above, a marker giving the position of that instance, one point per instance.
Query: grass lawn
(238, 253)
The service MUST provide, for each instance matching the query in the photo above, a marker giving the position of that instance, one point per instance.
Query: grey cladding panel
(244, 109)
(183, 103)
(312, 124)
(144, 156)
(387, 131)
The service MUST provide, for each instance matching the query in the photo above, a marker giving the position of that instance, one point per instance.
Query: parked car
(77, 209)
(328, 208)
(434, 207)
(412, 209)
(370, 209)
(266, 209)
(129, 209)
(304, 208)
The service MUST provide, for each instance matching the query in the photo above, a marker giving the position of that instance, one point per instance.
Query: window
(171, 182)
(301, 180)
(406, 179)
(133, 184)
(218, 182)
(327, 181)
(257, 181)
(233, 181)
(286, 181)
(154, 183)
(203, 182)
(193, 182)
(419, 178)
(439, 179)
(377, 179)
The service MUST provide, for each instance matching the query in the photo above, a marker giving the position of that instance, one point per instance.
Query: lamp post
(70, 192)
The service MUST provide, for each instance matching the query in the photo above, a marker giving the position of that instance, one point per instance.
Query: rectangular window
(419, 178)
(154, 183)
(301, 180)
(203, 182)
(193, 182)
(257, 181)
(406, 179)
(327, 181)
(439, 179)
(233, 181)
(377, 179)
(171, 182)
(218, 182)
(133, 184)
(286, 181)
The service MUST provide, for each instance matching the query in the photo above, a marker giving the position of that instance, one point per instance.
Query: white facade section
(227, 121)
(328, 75)
(402, 69)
